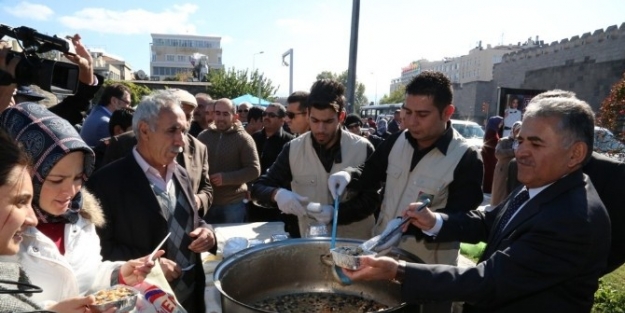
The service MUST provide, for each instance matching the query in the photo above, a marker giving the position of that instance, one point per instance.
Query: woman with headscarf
(504, 152)
(62, 253)
(16, 216)
(488, 150)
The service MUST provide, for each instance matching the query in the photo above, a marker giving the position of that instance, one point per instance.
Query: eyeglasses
(122, 100)
(353, 126)
(270, 114)
(241, 111)
(291, 115)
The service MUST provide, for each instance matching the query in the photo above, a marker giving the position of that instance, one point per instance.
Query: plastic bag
(157, 295)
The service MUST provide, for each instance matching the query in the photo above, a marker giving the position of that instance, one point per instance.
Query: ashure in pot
(295, 266)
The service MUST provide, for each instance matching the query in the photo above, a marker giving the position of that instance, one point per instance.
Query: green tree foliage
(233, 83)
(359, 95)
(136, 91)
(397, 96)
(612, 111)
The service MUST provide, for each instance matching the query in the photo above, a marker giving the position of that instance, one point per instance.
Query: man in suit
(194, 157)
(146, 195)
(547, 243)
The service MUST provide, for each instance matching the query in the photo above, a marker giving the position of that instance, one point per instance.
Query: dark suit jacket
(194, 158)
(548, 259)
(607, 175)
(134, 221)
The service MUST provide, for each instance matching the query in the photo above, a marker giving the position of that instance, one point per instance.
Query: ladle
(336, 271)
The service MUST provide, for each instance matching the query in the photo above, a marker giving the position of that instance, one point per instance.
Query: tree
(359, 95)
(612, 111)
(232, 83)
(397, 96)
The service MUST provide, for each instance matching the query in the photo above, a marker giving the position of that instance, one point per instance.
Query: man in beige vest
(427, 159)
(299, 175)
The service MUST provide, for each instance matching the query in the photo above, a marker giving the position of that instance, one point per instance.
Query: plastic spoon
(336, 271)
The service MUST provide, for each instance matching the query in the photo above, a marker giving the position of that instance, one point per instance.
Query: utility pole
(353, 53)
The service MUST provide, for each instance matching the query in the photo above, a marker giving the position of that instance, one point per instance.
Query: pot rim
(227, 262)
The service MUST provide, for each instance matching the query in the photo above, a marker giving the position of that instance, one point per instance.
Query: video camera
(32, 69)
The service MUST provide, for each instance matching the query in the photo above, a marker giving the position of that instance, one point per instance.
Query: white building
(171, 54)
(473, 67)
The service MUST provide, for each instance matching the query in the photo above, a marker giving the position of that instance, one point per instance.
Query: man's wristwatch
(401, 272)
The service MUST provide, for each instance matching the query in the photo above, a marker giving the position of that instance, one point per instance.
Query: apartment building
(171, 54)
(477, 66)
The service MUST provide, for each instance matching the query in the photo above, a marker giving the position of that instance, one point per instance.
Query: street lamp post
(253, 66)
(289, 53)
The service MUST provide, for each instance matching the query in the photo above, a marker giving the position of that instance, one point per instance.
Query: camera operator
(7, 91)
(71, 107)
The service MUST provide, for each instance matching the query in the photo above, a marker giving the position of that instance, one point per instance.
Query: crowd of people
(84, 199)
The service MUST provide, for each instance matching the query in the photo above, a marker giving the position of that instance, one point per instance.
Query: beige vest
(310, 178)
(431, 176)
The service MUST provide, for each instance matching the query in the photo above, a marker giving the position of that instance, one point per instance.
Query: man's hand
(384, 247)
(204, 240)
(198, 201)
(216, 179)
(424, 219)
(374, 268)
(84, 61)
(170, 269)
(320, 212)
(290, 202)
(135, 271)
(337, 183)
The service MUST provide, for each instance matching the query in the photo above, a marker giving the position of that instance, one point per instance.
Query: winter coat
(233, 154)
(80, 271)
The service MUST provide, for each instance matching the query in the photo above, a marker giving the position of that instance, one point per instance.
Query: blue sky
(392, 32)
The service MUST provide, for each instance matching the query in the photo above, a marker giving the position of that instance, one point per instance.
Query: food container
(122, 297)
(349, 256)
(234, 245)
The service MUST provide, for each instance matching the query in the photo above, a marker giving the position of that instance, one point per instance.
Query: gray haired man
(147, 195)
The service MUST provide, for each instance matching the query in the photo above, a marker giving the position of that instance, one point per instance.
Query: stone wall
(587, 65)
(468, 100)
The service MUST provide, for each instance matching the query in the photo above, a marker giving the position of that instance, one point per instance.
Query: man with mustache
(147, 195)
(547, 243)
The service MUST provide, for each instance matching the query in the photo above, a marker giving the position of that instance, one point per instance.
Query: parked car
(606, 143)
(471, 131)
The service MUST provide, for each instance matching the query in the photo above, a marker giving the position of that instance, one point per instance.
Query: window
(170, 58)
(182, 58)
(153, 57)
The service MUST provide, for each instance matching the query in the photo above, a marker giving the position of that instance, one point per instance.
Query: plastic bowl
(349, 256)
(122, 297)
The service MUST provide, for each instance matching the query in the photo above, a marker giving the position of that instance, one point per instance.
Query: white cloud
(30, 11)
(132, 22)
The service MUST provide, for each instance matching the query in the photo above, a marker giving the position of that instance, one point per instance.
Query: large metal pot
(294, 266)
